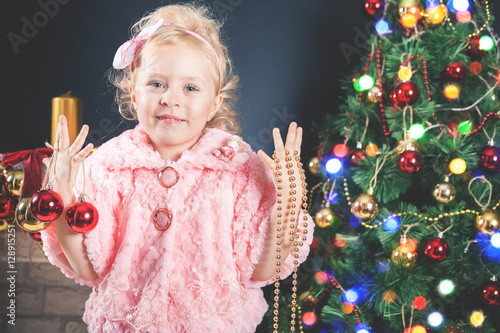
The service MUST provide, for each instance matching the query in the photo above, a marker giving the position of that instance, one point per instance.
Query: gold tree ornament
(14, 180)
(314, 165)
(25, 219)
(365, 207)
(444, 192)
(488, 222)
(404, 259)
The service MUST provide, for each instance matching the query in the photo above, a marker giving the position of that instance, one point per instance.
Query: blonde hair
(183, 17)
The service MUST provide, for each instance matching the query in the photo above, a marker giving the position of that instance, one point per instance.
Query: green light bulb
(486, 43)
(416, 131)
(465, 127)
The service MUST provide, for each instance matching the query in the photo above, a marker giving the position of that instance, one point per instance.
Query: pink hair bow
(126, 52)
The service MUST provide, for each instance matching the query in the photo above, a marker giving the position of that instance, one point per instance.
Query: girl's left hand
(288, 175)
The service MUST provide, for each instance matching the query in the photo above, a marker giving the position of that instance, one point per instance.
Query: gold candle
(71, 107)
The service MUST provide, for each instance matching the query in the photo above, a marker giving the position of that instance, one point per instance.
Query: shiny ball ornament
(407, 260)
(444, 193)
(404, 73)
(357, 157)
(82, 217)
(491, 292)
(325, 218)
(488, 222)
(8, 202)
(455, 71)
(393, 99)
(314, 165)
(365, 207)
(436, 16)
(346, 307)
(451, 91)
(371, 149)
(490, 158)
(373, 7)
(373, 95)
(407, 93)
(409, 20)
(14, 180)
(410, 161)
(26, 220)
(437, 249)
(46, 205)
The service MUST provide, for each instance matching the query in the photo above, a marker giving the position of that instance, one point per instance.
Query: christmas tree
(406, 198)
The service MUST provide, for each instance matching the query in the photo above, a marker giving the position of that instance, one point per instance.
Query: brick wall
(45, 300)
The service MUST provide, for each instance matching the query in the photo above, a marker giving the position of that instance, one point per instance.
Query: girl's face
(174, 97)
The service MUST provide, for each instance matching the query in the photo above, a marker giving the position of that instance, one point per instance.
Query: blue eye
(156, 84)
(191, 88)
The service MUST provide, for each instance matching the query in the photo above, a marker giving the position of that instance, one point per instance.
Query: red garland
(32, 171)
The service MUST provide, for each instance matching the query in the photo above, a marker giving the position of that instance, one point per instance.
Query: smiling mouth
(169, 119)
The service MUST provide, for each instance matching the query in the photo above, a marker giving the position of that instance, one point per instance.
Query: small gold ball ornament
(314, 165)
(389, 296)
(444, 192)
(365, 207)
(373, 95)
(488, 222)
(15, 180)
(405, 259)
(325, 218)
(26, 220)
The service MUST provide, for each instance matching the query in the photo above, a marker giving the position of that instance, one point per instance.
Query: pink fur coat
(194, 276)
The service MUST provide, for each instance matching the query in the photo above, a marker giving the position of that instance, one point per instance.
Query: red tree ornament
(82, 217)
(456, 71)
(437, 249)
(491, 292)
(410, 161)
(490, 158)
(407, 93)
(419, 302)
(393, 98)
(373, 7)
(357, 157)
(46, 205)
(8, 203)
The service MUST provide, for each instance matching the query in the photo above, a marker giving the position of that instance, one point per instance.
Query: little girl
(188, 214)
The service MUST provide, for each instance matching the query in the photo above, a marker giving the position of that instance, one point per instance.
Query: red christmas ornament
(455, 71)
(46, 205)
(437, 249)
(410, 161)
(373, 7)
(357, 157)
(419, 302)
(473, 50)
(491, 292)
(407, 93)
(82, 217)
(393, 98)
(490, 158)
(36, 236)
(8, 203)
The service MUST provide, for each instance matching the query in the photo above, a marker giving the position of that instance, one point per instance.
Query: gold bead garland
(294, 230)
(430, 219)
(488, 19)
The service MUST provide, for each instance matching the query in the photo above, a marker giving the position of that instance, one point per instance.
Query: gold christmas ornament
(405, 259)
(389, 296)
(25, 219)
(444, 192)
(488, 222)
(4, 225)
(374, 94)
(409, 144)
(365, 207)
(436, 16)
(314, 165)
(413, 7)
(324, 218)
(15, 180)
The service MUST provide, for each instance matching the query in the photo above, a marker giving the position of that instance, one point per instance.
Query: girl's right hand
(68, 159)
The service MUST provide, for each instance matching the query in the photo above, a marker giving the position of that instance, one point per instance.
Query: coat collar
(132, 149)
